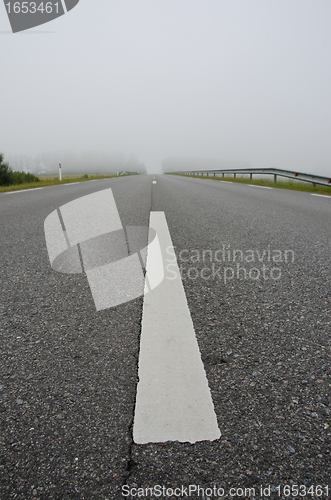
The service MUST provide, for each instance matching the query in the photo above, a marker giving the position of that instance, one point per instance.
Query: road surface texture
(255, 267)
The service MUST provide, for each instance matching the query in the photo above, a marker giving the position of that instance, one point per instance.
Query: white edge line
(256, 186)
(23, 190)
(322, 195)
(34, 189)
(199, 179)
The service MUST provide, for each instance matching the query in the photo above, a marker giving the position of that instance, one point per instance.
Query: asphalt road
(255, 267)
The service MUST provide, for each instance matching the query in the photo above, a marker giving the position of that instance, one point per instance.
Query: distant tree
(8, 177)
(5, 172)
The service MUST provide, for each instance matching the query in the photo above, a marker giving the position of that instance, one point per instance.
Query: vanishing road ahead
(246, 353)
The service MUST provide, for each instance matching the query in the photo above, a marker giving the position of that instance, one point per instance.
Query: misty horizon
(218, 82)
(85, 162)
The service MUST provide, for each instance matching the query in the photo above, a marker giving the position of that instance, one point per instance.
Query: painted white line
(322, 195)
(173, 398)
(71, 183)
(24, 190)
(154, 182)
(226, 182)
(255, 186)
(20, 191)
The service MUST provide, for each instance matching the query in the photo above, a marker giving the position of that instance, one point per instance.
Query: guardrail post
(214, 174)
(314, 184)
(223, 174)
(250, 176)
(234, 175)
(275, 178)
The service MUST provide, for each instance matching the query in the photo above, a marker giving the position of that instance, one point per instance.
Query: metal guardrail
(125, 172)
(314, 179)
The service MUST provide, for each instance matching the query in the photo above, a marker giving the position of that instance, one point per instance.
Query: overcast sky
(235, 80)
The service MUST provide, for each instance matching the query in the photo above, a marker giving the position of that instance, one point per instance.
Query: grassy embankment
(288, 184)
(52, 180)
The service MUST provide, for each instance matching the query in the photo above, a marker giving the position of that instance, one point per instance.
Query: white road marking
(256, 186)
(23, 190)
(154, 182)
(322, 195)
(173, 398)
(71, 183)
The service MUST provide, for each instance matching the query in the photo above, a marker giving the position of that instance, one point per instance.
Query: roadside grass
(52, 180)
(64, 177)
(289, 184)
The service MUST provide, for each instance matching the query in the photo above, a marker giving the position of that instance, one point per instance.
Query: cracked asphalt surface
(68, 374)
